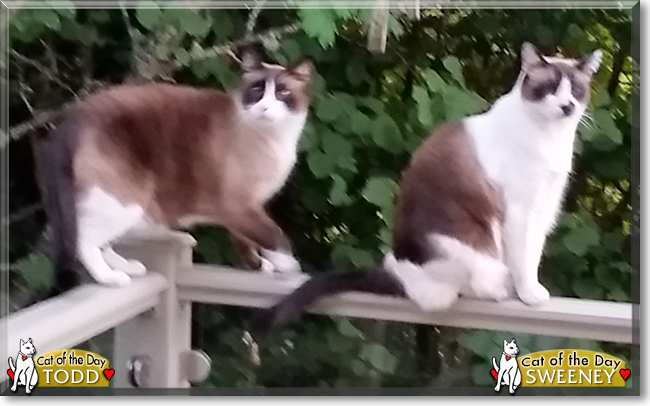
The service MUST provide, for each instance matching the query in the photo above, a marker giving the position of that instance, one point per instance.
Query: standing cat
(132, 157)
(24, 372)
(478, 198)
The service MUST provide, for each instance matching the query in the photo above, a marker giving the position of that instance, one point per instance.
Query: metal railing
(152, 316)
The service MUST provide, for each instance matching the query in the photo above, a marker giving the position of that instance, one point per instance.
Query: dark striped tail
(292, 306)
(55, 163)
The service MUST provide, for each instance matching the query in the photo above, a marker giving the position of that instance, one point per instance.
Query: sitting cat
(478, 199)
(136, 156)
(24, 372)
(508, 372)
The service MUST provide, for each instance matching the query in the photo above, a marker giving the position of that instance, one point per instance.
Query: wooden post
(378, 29)
(153, 349)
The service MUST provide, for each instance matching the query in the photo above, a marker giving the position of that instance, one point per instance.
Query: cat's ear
(530, 56)
(22, 342)
(251, 58)
(590, 63)
(30, 339)
(513, 341)
(505, 342)
(302, 70)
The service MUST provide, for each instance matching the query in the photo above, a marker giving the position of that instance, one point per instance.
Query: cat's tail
(289, 309)
(57, 181)
(11, 364)
(494, 364)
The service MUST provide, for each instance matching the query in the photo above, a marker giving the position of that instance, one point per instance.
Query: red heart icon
(494, 374)
(24, 358)
(109, 373)
(10, 373)
(624, 373)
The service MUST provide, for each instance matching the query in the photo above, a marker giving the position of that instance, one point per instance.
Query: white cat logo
(24, 372)
(508, 368)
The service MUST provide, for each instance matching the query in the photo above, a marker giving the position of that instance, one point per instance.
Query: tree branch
(21, 214)
(42, 118)
(274, 33)
(44, 70)
(252, 18)
(617, 68)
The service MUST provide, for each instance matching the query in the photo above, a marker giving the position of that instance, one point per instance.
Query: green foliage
(369, 113)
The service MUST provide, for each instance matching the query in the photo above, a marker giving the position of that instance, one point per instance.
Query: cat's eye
(258, 86)
(282, 90)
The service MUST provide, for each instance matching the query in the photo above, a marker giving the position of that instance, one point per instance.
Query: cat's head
(510, 348)
(556, 88)
(271, 94)
(26, 347)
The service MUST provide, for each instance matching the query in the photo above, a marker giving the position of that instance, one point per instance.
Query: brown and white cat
(477, 200)
(134, 157)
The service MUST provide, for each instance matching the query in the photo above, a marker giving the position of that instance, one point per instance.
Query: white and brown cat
(134, 157)
(477, 200)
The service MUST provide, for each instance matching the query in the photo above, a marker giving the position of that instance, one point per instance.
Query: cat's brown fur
(182, 154)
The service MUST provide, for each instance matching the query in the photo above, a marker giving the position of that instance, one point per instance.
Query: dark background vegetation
(370, 111)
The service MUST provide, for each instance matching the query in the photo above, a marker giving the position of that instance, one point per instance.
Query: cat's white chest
(278, 148)
(519, 157)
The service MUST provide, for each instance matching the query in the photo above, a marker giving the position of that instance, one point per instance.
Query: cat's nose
(567, 109)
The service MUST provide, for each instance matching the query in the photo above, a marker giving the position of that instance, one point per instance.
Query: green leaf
(480, 342)
(481, 374)
(361, 124)
(338, 192)
(149, 17)
(181, 56)
(379, 357)
(291, 49)
(587, 289)
(395, 26)
(454, 67)
(356, 72)
(434, 81)
(319, 24)
(309, 141)
(192, 22)
(421, 97)
(361, 258)
(48, 18)
(337, 146)
(37, 271)
(601, 98)
(545, 36)
(328, 109)
(380, 191)
(321, 165)
(314, 199)
(617, 293)
(605, 275)
(605, 122)
(460, 103)
(373, 104)
(579, 239)
(344, 12)
(387, 134)
(73, 31)
(222, 24)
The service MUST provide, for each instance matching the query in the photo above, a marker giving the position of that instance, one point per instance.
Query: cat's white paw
(491, 283)
(115, 279)
(266, 266)
(431, 297)
(135, 268)
(533, 294)
(282, 262)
